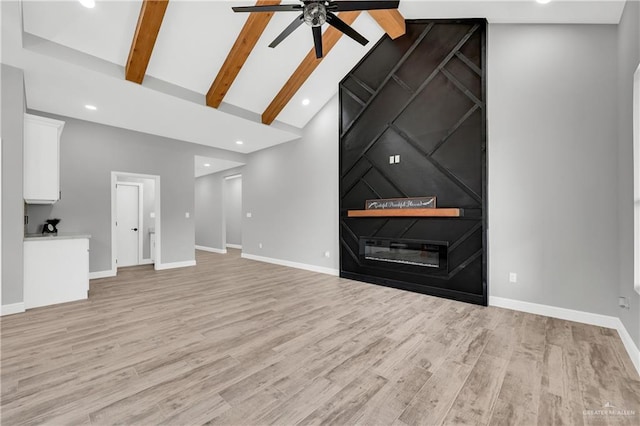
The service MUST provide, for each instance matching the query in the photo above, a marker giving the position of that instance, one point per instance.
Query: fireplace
(412, 124)
(431, 255)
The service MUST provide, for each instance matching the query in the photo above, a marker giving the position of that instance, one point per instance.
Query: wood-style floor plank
(237, 342)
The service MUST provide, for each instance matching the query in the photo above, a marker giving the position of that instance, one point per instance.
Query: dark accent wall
(421, 96)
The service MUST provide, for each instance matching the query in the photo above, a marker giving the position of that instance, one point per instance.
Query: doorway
(232, 202)
(135, 224)
(129, 221)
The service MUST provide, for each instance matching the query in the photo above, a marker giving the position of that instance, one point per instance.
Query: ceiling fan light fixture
(314, 14)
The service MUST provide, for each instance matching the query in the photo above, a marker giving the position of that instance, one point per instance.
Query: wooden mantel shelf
(446, 212)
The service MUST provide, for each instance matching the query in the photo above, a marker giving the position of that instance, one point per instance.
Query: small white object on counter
(56, 269)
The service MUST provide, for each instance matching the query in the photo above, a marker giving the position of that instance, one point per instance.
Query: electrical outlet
(327, 253)
(259, 245)
(513, 277)
(187, 215)
(248, 214)
(623, 302)
(152, 215)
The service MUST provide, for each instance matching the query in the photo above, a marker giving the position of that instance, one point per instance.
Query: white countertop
(58, 236)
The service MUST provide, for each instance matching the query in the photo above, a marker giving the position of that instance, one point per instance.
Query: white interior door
(127, 224)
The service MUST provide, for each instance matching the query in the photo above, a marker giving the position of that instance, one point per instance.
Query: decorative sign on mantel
(402, 203)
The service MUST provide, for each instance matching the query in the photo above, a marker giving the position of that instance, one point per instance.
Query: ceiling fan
(315, 13)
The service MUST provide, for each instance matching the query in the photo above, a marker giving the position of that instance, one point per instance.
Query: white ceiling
(77, 55)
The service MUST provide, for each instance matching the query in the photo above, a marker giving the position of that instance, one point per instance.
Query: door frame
(114, 214)
(140, 218)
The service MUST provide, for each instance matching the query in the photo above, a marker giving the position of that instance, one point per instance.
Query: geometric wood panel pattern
(422, 97)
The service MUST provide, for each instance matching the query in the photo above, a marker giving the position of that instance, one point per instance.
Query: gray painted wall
(629, 58)
(90, 152)
(553, 162)
(291, 190)
(233, 210)
(209, 211)
(553, 172)
(13, 108)
(209, 208)
(39, 213)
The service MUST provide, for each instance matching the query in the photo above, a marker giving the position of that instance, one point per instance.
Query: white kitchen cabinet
(41, 159)
(56, 269)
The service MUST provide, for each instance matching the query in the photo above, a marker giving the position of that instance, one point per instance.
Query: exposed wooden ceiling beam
(149, 21)
(246, 41)
(391, 21)
(305, 69)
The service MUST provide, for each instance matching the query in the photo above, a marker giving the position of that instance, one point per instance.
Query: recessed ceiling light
(543, 1)
(239, 142)
(306, 102)
(91, 107)
(89, 4)
(207, 165)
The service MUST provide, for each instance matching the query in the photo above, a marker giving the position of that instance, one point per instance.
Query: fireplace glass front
(422, 253)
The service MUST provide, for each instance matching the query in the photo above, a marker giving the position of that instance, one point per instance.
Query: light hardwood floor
(238, 342)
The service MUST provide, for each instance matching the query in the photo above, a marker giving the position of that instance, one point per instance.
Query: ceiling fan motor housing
(315, 14)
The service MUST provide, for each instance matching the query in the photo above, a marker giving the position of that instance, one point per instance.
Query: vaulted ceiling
(197, 71)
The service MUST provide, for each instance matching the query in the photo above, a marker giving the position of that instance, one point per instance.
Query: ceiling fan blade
(269, 8)
(339, 24)
(287, 31)
(343, 6)
(317, 40)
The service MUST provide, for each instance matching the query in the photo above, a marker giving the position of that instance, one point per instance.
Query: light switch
(397, 159)
(152, 215)
(391, 159)
(186, 215)
(248, 214)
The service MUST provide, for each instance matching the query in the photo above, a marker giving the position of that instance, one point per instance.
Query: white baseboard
(102, 274)
(629, 345)
(573, 315)
(173, 265)
(234, 246)
(305, 266)
(555, 312)
(13, 308)
(211, 249)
